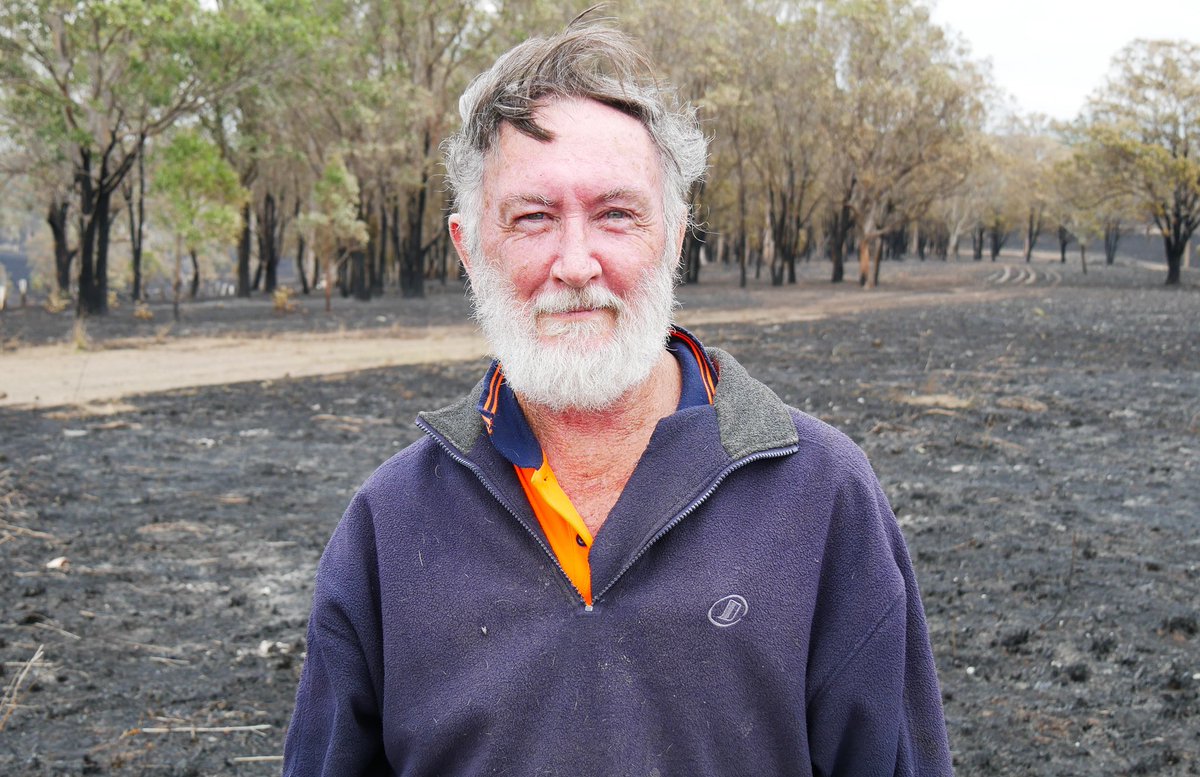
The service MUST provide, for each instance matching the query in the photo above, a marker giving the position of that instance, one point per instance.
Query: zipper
(695, 505)
(452, 453)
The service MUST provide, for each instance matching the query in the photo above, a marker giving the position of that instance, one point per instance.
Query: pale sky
(1051, 54)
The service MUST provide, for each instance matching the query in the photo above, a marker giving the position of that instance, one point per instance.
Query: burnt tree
(57, 216)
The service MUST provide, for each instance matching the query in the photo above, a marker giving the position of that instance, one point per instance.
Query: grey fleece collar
(751, 418)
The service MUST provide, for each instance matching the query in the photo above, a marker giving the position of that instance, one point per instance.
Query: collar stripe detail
(706, 374)
(494, 390)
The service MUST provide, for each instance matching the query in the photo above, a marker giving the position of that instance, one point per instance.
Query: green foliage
(1080, 191)
(87, 84)
(906, 110)
(1141, 134)
(333, 217)
(198, 191)
(88, 75)
(336, 109)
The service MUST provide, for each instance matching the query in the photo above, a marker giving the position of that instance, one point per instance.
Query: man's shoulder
(456, 426)
(751, 418)
(821, 436)
(459, 424)
(750, 414)
(407, 465)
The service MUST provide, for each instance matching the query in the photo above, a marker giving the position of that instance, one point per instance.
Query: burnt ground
(1042, 452)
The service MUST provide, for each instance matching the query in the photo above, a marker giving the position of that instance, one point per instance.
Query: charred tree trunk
(300, 271)
(315, 277)
(136, 205)
(1033, 228)
(270, 244)
(56, 217)
(412, 268)
(397, 246)
(694, 239)
(741, 247)
(87, 234)
(194, 290)
(96, 227)
(412, 272)
(876, 261)
(362, 276)
(1112, 238)
(243, 254)
(1175, 251)
(693, 246)
(1176, 225)
(96, 219)
(177, 280)
(997, 238)
(379, 277)
(343, 273)
(271, 281)
(360, 287)
(774, 241)
(743, 241)
(837, 242)
(784, 221)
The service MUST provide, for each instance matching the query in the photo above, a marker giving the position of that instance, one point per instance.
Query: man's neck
(593, 453)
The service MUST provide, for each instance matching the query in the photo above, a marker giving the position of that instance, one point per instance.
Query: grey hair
(585, 61)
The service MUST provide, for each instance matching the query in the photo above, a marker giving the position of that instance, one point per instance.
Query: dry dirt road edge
(55, 375)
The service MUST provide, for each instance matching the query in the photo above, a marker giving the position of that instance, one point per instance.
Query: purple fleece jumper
(755, 613)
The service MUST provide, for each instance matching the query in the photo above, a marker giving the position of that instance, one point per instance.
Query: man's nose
(576, 264)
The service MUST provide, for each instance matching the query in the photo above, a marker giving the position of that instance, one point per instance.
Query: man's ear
(458, 236)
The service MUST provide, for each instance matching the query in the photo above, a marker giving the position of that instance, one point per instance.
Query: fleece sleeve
(874, 705)
(336, 727)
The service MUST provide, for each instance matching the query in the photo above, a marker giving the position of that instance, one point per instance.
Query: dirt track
(51, 375)
(1040, 443)
(70, 374)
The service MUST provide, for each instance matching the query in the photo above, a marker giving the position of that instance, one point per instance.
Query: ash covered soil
(1041, 450)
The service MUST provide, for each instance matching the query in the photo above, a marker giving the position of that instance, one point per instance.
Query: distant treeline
(173, 138)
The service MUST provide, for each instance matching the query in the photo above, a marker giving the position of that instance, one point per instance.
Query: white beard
(576, 366)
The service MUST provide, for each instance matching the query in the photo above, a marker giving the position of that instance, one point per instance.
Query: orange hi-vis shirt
(562, 527)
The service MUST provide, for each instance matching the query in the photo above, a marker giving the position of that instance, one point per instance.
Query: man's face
(573, 281)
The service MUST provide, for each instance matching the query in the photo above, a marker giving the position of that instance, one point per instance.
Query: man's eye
(532, 217)
(614, 215)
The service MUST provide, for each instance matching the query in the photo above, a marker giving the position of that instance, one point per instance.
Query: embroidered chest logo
(728, 610)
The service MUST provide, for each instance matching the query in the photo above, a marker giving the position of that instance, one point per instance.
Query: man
(620, 554)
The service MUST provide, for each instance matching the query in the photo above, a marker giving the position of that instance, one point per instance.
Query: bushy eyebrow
(622, 194)
(519, 200)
